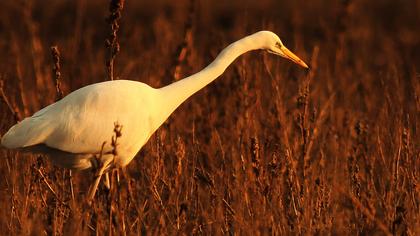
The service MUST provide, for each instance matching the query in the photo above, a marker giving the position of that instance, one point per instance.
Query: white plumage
(82, 121)
(71, 131)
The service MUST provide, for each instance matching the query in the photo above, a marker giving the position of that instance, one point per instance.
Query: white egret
(72, 131)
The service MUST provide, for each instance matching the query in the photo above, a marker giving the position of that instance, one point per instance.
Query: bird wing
(30, 131)
(82, 121)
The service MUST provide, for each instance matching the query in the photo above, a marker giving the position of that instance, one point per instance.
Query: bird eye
(278, 45)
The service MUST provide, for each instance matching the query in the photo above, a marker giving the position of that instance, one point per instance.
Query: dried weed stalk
(57, 73)
(181, 52)
(255, 157)
(13, 109)
(358, 153)
(111, 43)
(117, 135)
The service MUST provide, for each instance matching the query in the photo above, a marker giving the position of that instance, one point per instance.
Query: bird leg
(107, 183)
(71, 185)
(100, 171)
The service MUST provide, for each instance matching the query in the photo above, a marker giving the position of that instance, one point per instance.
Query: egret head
(273, 44)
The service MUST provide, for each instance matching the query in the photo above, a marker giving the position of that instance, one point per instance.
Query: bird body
(72, 131)
(82, 121)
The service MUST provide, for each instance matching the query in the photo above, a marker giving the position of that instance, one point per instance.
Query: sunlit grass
(265, 148)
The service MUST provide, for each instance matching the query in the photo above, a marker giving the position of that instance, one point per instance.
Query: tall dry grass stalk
(265, 149)
(181, 52)
(12, 109)
(111, 43)
(57, 72)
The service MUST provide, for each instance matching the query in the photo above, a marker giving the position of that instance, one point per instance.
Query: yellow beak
(286, 53)
(291, 56)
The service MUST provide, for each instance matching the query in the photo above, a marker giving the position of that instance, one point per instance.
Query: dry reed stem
(115, 137)
(367, 212)
(19, 74)
(57, 73)
(182, 50)
(37, 49)
(352, 82)
(317, 127)
(16, 115)
(111, 43)
(44, 179)
(255, 157)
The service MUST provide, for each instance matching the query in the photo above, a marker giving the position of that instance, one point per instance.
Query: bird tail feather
(30, 131)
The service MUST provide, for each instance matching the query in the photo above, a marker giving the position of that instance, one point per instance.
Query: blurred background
(267, 148)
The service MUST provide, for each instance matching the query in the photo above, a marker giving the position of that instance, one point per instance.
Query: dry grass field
(267, 149)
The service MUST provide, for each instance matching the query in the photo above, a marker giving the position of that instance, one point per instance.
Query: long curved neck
(176, 93)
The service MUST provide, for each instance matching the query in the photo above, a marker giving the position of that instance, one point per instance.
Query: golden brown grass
(266, 149)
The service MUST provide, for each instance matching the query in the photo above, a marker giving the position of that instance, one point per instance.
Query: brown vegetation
(264, 149)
